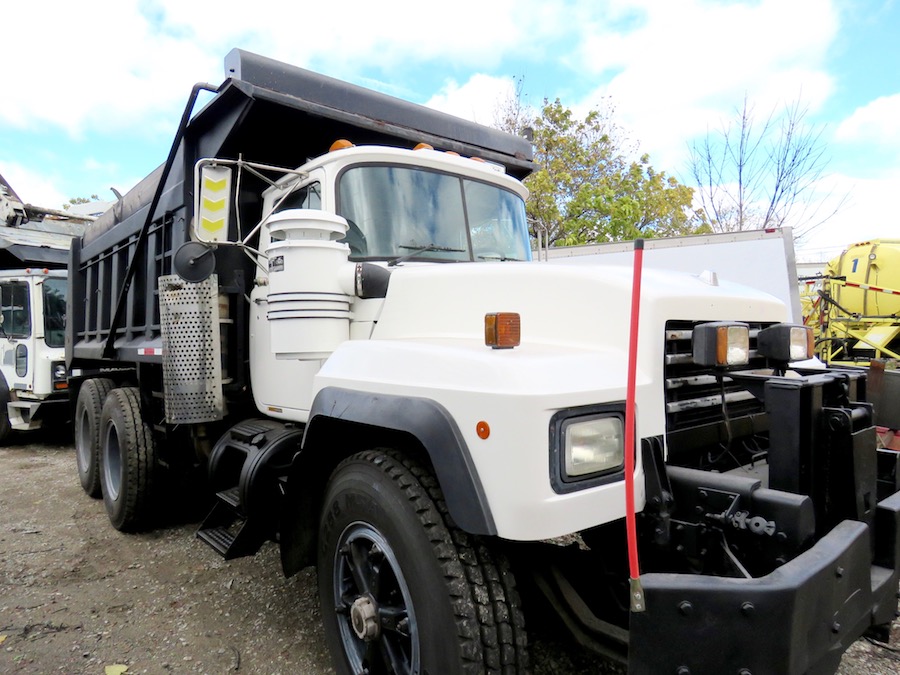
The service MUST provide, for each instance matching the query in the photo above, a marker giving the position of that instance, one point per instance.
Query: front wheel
(5, 426)
(403, 590)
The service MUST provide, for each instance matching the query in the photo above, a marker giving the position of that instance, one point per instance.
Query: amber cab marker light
(340, 144)
(423, 146)
(483, 429)
(502, 330)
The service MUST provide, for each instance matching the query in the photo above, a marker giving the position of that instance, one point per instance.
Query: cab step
(248, 466)
(228, 531)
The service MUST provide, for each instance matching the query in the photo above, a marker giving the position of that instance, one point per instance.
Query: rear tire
(401, 588)
(127, 461)
(88, 410)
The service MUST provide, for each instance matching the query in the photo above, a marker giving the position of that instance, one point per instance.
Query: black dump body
(267, 112)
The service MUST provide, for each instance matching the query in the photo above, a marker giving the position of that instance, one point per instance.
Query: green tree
(585, 189)
(80, 200)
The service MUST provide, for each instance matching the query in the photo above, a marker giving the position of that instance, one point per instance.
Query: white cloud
(672, 68)
(111, 64)
(33, 188)
(684, 66)
(870, 213)
(477, 99)
(675, 67)
(100, 65)
(876, 121)
(348, 33)
(92, 164)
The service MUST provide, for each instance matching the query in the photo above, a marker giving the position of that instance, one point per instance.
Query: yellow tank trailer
(854, 310)
(855, 307)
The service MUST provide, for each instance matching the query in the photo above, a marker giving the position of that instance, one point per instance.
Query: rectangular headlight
(786, 342)
(593, 445)
(721, 343)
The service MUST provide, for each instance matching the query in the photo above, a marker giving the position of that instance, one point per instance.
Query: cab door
(15, 334)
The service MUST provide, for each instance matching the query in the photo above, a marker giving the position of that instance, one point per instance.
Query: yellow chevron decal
(213, 204)
(215, 185)
(212, 225)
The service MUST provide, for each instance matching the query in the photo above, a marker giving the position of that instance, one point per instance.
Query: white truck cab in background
(32, 348)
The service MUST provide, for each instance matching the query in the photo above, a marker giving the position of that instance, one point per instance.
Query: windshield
(396, 211)
(16, 309)
(54, 291)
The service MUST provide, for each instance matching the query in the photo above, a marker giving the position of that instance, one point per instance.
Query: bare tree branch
(754, 176)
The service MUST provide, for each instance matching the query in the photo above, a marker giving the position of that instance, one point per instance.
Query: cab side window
(306, 197)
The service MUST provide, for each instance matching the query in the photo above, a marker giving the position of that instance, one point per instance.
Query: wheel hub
(364, 618)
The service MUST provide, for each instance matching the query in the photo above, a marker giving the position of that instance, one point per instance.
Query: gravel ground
(78, 597)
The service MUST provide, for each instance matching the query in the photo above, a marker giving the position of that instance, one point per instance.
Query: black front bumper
(800, 618)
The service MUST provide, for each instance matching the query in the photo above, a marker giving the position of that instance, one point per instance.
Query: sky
(91, 93)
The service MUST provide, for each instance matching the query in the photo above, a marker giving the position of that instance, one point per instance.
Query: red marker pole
(634, 571)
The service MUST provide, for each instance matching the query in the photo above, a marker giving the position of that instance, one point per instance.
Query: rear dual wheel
(88, 409)
(127, 461)
(403, 590)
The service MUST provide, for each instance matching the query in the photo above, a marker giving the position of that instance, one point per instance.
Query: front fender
(429, 423)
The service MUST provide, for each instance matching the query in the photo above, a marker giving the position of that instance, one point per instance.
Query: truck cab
(396, 208)
(424, 204)
(32, 347)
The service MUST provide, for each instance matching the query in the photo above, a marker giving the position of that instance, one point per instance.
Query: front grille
(693, 394)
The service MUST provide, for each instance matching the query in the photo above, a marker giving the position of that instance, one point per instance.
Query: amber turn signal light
(502, 330)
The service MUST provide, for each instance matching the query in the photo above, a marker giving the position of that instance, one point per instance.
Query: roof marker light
(340, 144)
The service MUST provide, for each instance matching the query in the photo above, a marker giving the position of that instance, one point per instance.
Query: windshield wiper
(422, 249)
(501, 258)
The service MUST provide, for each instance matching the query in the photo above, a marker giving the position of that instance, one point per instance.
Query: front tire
(88, 410)
(127, 461)
(5, 426)
(403, 590)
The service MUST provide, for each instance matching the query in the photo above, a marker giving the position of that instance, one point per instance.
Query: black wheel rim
(375, 617)
(112, 462)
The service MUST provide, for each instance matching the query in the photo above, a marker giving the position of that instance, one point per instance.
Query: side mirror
(194, 261)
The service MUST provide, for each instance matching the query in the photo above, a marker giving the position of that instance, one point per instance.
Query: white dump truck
(33, 256)
(348, 333)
